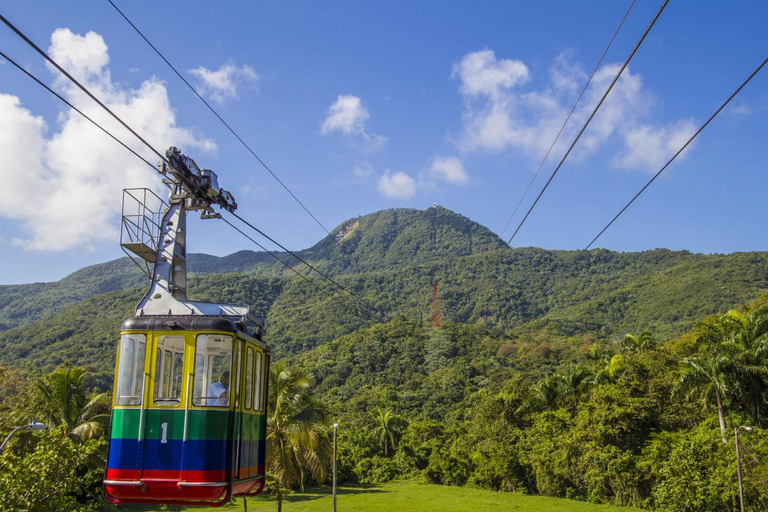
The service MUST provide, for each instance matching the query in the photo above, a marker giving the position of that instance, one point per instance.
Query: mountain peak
(402, 236)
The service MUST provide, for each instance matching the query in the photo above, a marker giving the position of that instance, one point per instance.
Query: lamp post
(738, 463)
(32, 426)
(335, 432)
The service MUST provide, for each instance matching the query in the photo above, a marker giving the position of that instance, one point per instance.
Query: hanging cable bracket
(200, 186)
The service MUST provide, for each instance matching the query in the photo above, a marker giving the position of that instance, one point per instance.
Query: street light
(335, 431)
(32, 426)
(738, 463)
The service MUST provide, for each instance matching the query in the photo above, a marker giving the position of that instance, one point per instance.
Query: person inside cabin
(218, 392)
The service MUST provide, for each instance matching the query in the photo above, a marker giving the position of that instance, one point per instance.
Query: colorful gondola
(189, 406)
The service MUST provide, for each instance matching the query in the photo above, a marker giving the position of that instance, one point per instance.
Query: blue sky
(363, 106)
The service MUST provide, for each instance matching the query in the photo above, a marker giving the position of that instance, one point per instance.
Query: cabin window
(258, 379)
(130, 373)
(238, 365)
(169, 369)
(248, 377)
(213, 364)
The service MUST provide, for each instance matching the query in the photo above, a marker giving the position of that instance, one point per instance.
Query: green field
(409, 496)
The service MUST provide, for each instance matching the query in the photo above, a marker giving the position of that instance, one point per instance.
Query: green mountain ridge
(391, 262)
(381, 240)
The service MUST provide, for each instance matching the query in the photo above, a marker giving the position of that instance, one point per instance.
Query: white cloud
(741, 109)
(649, 147)
(498, 116)
(363, 171)
(347, 115)
(481, 73)
(84, 57)
(447, 169)
(222, 84)
(398, 185)
(565, 75)
(65, 188)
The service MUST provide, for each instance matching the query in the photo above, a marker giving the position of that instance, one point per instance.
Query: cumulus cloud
(447, 169)
(440, 170)
(64, 184)
(398, 185)
(498, 115)
(222, 84)
(363, 171)
(650, 147)
(348, 115)
(481, 73)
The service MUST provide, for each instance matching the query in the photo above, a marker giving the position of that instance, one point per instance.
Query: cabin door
(164, 412)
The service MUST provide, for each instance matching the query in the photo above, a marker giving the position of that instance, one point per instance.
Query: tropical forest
(444, 359)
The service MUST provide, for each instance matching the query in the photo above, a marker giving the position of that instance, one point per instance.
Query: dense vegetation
(632, 423)
(530, 292)
(531, 384)
(61, 467)
(383, 240)
(25, 304)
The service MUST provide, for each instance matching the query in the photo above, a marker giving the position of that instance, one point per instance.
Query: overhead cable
(701, 128)
(33, 77)
(219, 117)
(648, 184)
(310, 281)
(100, 103)
(592, 115)
(79, 85)
(576, 103)
(354, 296)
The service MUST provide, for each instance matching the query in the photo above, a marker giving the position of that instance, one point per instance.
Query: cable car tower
(161, 241)
(435, 318)
(189, 408)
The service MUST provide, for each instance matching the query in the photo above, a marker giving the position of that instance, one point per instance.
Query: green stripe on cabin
(202, 424)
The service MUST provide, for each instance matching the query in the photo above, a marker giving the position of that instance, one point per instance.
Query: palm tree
(742, 336)
(389, 429)
(297, 446)
(640, 343)
(748, 332)
(544, 396)
(547, 391)
(710, 380)
(574, 383)
(65, 403)
(611, 371)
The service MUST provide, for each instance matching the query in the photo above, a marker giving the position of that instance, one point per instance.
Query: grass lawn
(410, 496)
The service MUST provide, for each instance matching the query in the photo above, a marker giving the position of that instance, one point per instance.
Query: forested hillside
(391, 260)
(382, 240)
(27, 303)
(550, 374)
(631, 421)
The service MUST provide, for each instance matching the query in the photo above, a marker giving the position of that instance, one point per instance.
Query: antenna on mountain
(435, 320)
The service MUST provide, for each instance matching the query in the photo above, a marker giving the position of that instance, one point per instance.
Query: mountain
(390, 260)
(381, 240)
(396, 238)
(27, 303)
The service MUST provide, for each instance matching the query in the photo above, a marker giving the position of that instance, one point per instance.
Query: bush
(59, 474)
(376, 470)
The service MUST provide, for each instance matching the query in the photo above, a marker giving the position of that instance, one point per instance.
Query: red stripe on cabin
(168, 475)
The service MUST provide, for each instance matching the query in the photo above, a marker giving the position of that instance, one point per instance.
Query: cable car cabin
(188, 416)
(181, 433)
